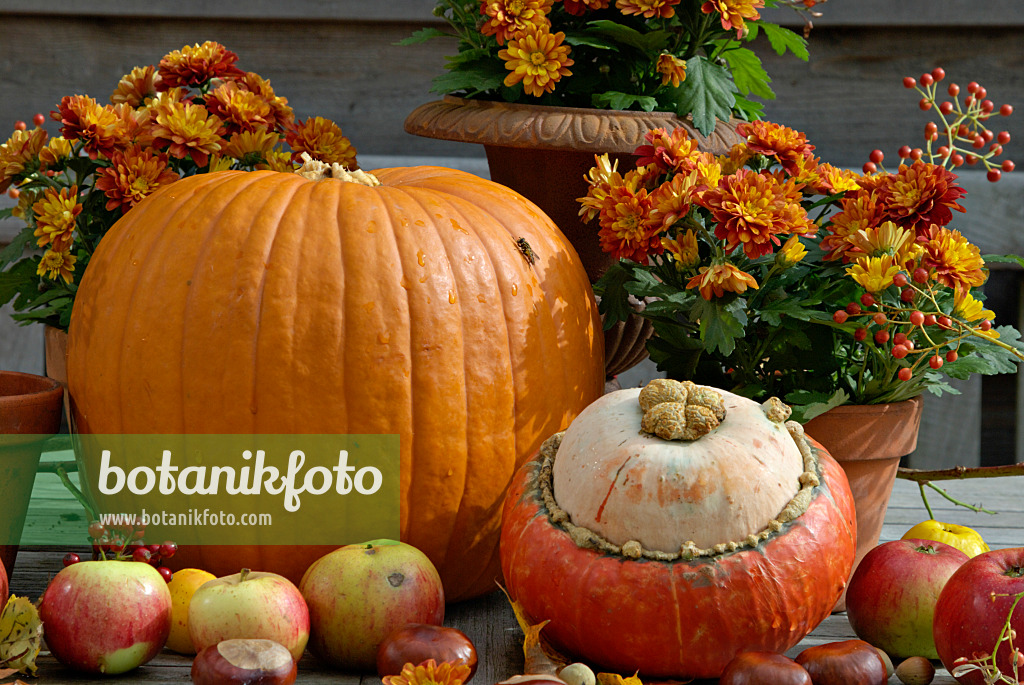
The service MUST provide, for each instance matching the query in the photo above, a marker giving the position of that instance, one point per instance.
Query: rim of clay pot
(30, 405)
(513, 124)
(907, 407)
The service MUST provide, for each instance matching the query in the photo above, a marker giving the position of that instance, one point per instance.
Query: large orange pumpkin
(436, 305)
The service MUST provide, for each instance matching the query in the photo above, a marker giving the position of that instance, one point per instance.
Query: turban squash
(670, 557)
(436, 305)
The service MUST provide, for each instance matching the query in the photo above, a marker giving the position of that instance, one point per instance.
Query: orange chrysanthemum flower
(954, 261)
(57, 264)
(323, 140)
(599, 179)
(537, 59)
(56, 214)
(834, 180)
(667, 152)
(239, 109)
(786, 145)
(188, 131)
(430, 673)
(671, 200)
(18, 153)
(282, 115)
(719, 278)
(737, 158)
(626, 232)
(195, 65)
(648, 9)
(136, 87)
(858, 212)
(579, 7)
(131, 176)
(734, 13)
(83, 119)
(751, 210)
(672, 69)
(920, 195)
(507, 19)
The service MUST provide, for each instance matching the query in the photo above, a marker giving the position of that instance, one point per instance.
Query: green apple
(359, 594)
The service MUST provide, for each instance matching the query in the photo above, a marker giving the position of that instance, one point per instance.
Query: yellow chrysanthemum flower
(537, 59)
(136, 87)
(734, 12)
(648, 9)
(188, 131)
(252, 147)
(954, 261)
(888, 238)
(599, 179)
(55, 214)
(874, 274)
(970, 309)
(719, 278)
(430, 673)
(57, 264)
(56, 150)
(791, 252)
(682, 249)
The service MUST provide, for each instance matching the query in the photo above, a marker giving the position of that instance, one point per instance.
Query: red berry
(946, 107)
(876, 156)
(979, 142)
(985, 325)
(899, 351)
(869, 168)
(1006, 110)
(840, 316)
(154, 549)
(1008, 165)
(881, 337)
(953, 90)
(930, 129)
(926, 80)
(917, 318)
(907, 295)
(951, 356)
(909, 82)
(938, 73)
(899, 280)
(879, 318)
(958, 160)
(1003, 138)
(13, 193)
(853, 309)
(904, 152)
(142, 555)
(39, 119)
(925, 104)
(905, 374)
(971, 159)
(944, 322)
(943, 151)
(929, 319)
(867, 299)
(972, 87)
(860, 334)
(994, 175)
(71, 558)
(20, 125)
(165, 573)
(935, 362)
(981, 93)
(996, 149)
(962, 131)
(920, 275)
(899, 338)
(168, 549)
(916, 153)
(987, 106)
(988, 135)
(96, 530)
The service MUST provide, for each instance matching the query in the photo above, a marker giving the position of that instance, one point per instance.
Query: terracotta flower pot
(868, 441)
(30, 412)
(544, 153)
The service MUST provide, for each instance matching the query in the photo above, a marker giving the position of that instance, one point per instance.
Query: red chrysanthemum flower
(195, 65)
(579, 7)
(131, 176)
(918, 196)
(668, 152)
(81, 118)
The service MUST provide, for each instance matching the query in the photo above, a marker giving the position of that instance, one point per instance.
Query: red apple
(891, 597)
(360, 594)
(973, 609)
(250, 604)
(106, 616)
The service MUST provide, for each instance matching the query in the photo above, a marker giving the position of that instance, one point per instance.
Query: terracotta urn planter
(868, 441)
(30, 411)
(544, 153)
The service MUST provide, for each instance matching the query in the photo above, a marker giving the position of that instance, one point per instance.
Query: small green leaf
(806, 407)
(783, 39)
(616, 100)
(651, 41)
(720, 324)
(706, 94)
(749, 73)
(423, 35)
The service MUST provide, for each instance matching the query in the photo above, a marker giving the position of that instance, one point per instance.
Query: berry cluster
(125, 542)
(895, 328)
(961, 136)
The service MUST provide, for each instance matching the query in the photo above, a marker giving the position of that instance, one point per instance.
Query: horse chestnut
(417, 642)
(244, 662)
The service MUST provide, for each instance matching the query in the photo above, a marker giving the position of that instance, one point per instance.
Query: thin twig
(925, 477)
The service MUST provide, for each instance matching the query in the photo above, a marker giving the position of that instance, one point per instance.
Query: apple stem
(242, 576)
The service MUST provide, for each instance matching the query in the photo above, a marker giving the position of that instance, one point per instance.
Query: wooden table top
(489, 621)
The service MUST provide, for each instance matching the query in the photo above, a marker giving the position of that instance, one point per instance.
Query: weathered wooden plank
(335, 10)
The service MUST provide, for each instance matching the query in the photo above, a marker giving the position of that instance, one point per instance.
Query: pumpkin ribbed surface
(268, 303)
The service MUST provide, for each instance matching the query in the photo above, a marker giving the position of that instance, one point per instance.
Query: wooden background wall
(338, 59)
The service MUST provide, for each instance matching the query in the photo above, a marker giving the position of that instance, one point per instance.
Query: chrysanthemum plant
(194, 113)
(768, 272)
(682, 56)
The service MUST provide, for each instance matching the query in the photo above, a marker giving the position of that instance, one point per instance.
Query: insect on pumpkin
(527, 251)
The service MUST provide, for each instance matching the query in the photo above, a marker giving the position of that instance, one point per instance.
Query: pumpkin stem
(680, 411)
(315, 170)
